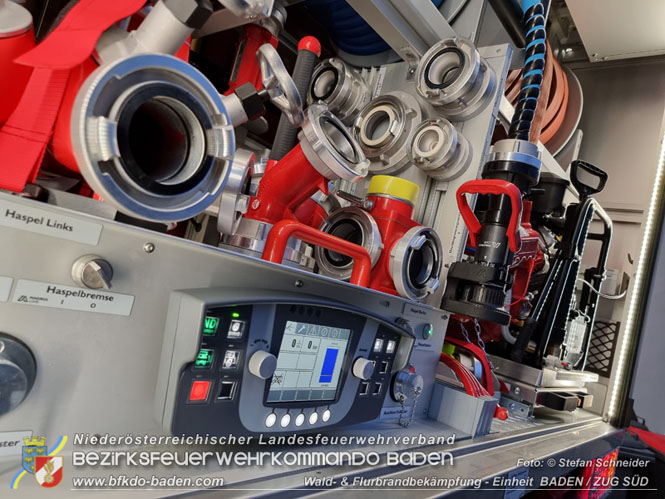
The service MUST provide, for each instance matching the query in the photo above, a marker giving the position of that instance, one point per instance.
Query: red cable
(471, 384)
(477, 352)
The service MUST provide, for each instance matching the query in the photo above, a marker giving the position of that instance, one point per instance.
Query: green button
(204, 359)
(210, 325)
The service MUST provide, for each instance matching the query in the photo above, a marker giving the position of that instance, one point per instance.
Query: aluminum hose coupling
(438, 149)
(455, 79)
(406, 257)
(151, 136)
(384, 128)
(340, 88)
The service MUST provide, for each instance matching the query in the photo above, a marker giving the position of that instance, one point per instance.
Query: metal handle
(491, 186)
(309, 50)
(282, 231)
(280, 86)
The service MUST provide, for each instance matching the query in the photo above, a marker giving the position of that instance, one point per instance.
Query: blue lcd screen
(328, 365)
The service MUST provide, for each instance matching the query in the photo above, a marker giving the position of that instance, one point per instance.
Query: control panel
(279, 365)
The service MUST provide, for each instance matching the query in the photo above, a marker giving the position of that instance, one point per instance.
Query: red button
(199, 391)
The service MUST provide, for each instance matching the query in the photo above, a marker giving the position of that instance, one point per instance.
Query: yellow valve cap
(394, 187)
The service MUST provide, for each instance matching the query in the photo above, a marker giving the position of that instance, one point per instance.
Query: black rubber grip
(285, 137)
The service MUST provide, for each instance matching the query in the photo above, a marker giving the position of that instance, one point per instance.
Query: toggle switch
(93, 272)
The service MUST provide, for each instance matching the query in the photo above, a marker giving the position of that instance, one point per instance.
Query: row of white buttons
(271, 419)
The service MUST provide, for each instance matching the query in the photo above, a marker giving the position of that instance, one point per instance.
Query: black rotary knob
(17, 372)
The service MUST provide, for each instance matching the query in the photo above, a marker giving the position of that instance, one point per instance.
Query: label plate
(11, 442)
(19, 216)
(44, 294)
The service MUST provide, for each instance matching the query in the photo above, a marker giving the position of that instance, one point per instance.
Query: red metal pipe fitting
(282, 231)
(285, 185)
(326, 151)
(393, 217)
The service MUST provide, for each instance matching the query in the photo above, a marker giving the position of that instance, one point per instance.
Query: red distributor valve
(326, 151)
(406, 256)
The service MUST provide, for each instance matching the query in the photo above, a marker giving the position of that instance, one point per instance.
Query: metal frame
(410, 27)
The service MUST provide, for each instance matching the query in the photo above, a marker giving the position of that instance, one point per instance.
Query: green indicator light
(235, 315)
(204, 358)
(428, 330)
(210, 325)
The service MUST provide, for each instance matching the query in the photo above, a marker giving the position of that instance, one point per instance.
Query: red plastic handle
(282, 231)
(491, 186)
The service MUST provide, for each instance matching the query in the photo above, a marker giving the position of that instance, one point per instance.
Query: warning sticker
(19, 216)
(44, 294)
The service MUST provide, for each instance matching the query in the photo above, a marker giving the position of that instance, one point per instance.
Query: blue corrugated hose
(347, 29)
(527, 101)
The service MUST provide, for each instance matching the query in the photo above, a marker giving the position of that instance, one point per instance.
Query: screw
(299, 283)
(255, 204)
(412, 70)
(512, 406)
(517, 390)
(148, 247)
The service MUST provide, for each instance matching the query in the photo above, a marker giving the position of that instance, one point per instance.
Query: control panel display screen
(309, 363)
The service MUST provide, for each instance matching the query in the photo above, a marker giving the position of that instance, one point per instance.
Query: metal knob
(363, 368)
(92, 271)
(17, 373)
(262, 364)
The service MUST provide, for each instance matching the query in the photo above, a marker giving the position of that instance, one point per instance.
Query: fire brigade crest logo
(48, 470)
(38, 461)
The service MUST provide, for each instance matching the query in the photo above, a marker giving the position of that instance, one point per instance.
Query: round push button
(325, 417)
(300, 419)
(271, 419)
(284, 422)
